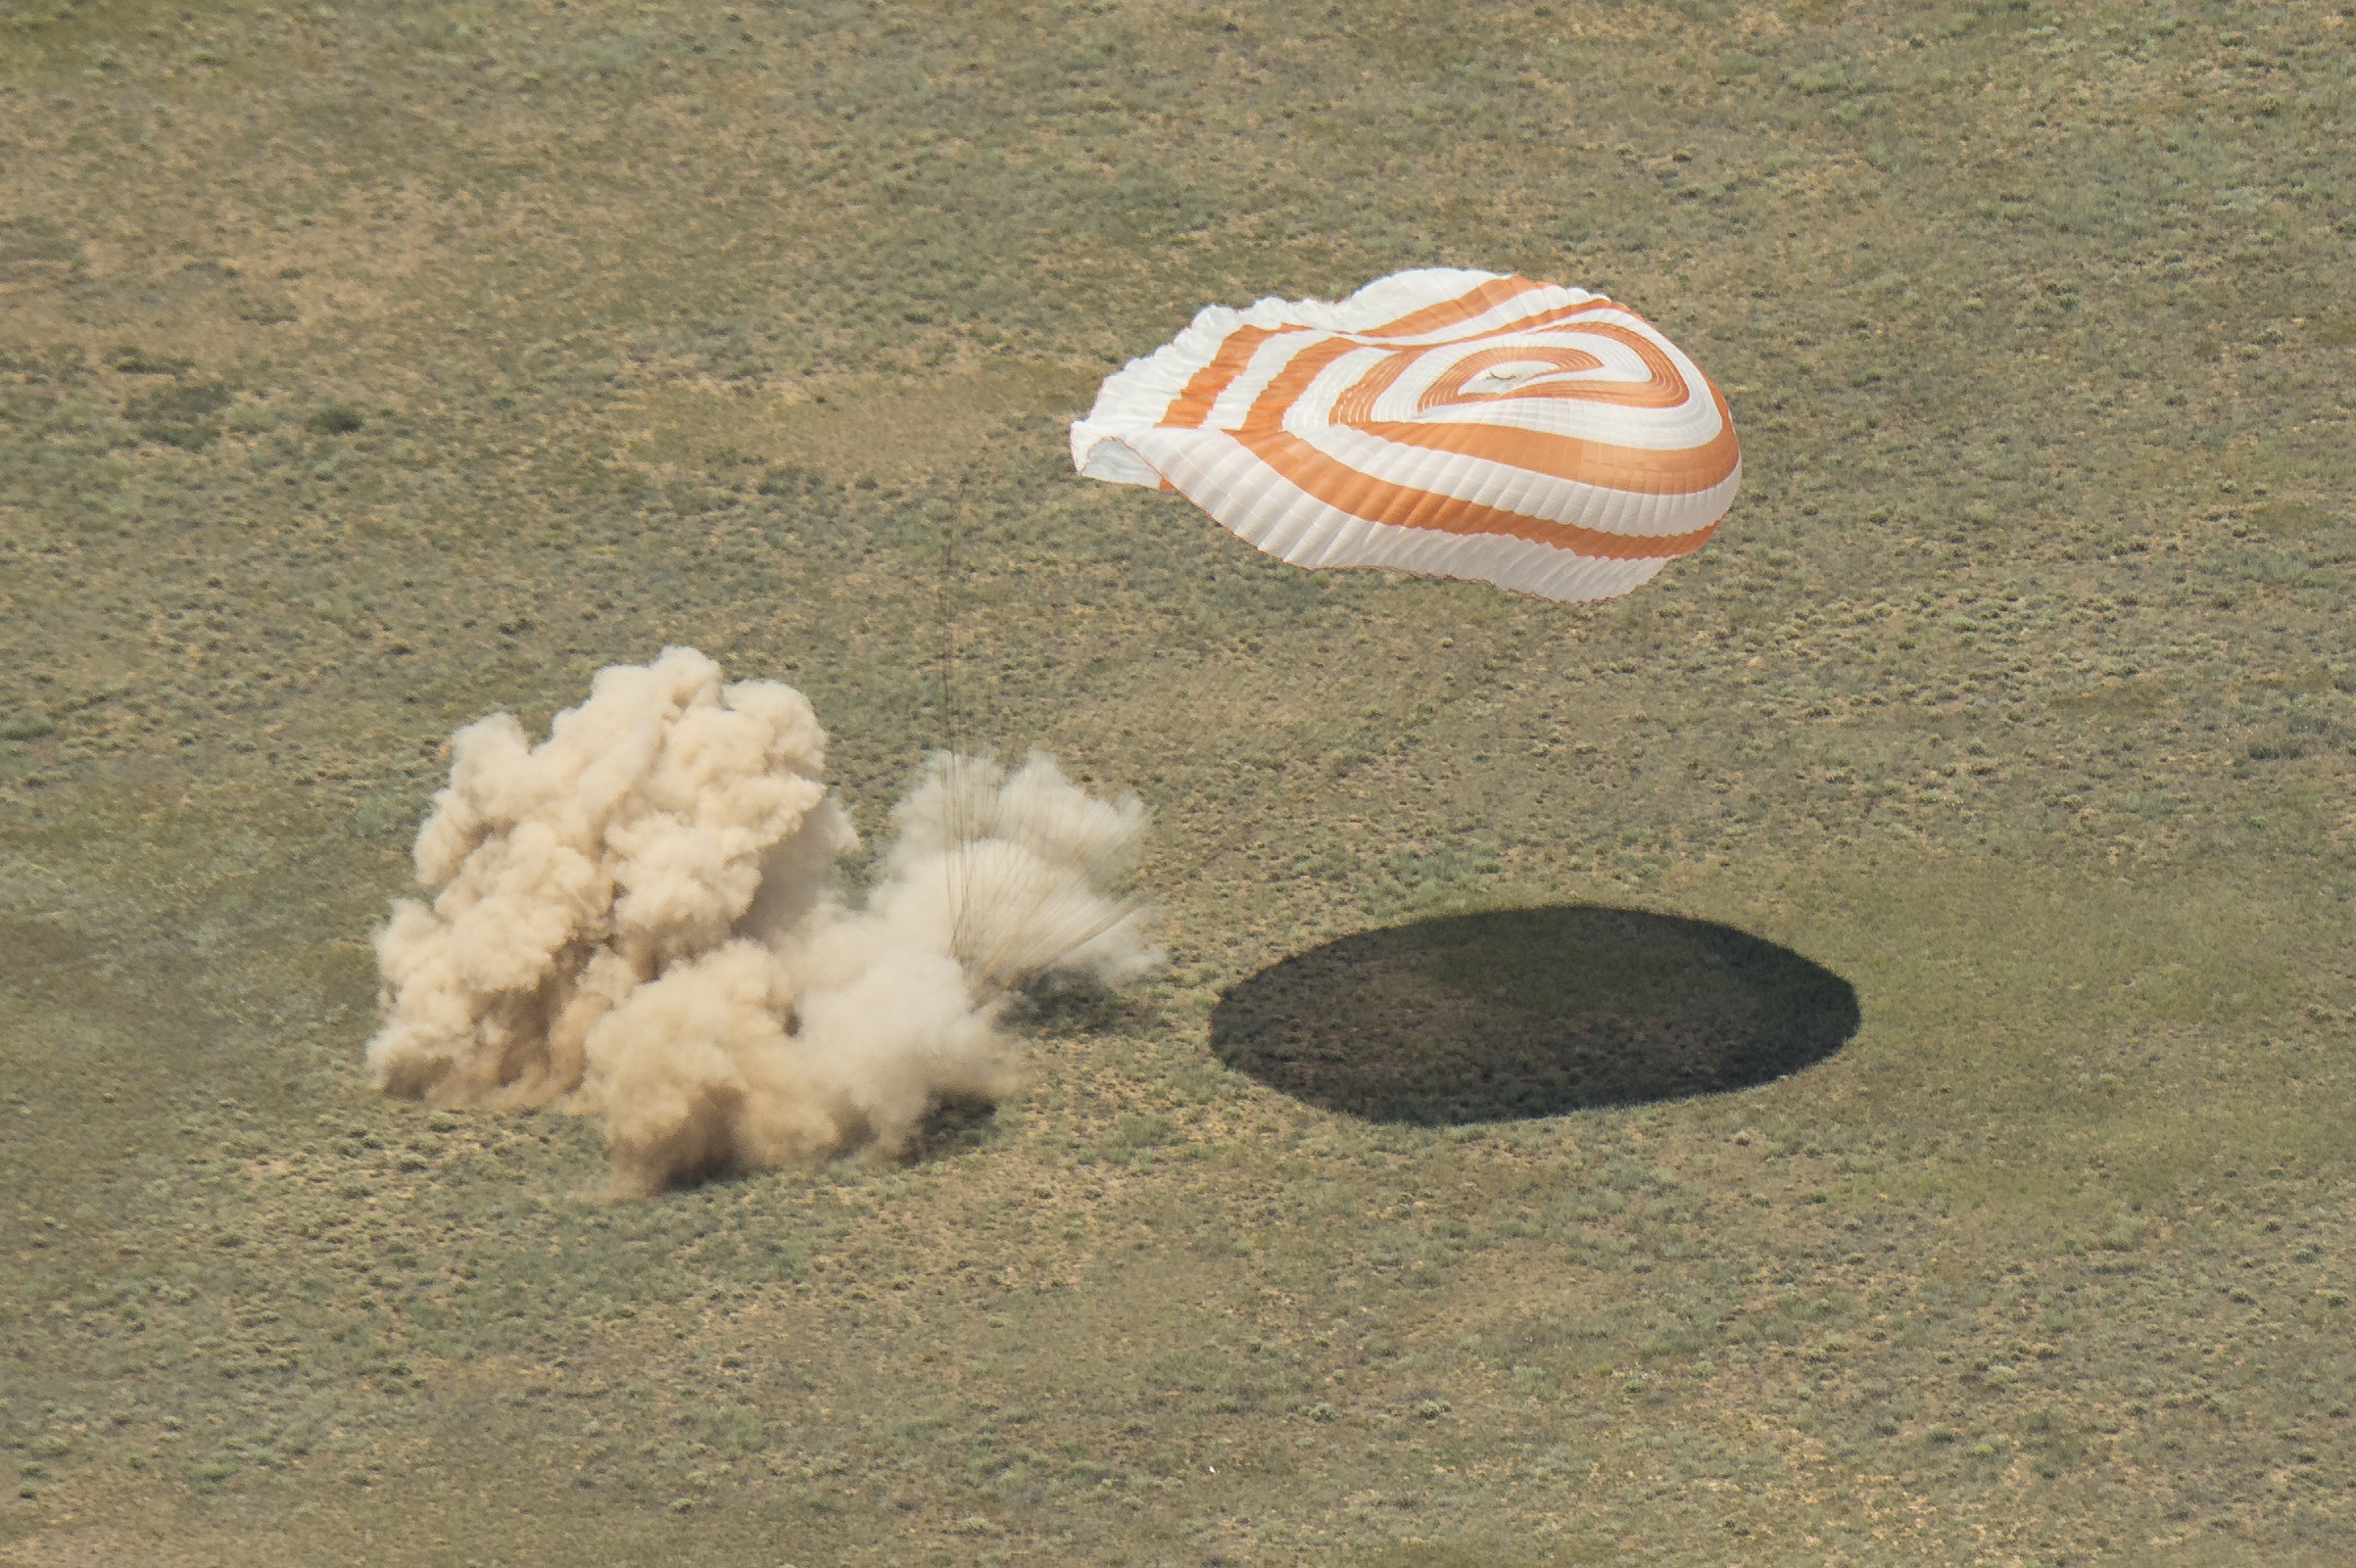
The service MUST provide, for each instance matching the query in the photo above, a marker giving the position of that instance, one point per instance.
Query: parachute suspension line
(959, 830)
(1005, 935)
(945, 662)
(1069, 938)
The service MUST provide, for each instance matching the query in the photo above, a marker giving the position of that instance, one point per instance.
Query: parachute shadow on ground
(1506, 1015)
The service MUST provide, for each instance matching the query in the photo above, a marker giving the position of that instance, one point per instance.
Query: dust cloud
(644, 917)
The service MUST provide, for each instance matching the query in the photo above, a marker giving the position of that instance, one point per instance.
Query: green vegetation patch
(1837, 1055)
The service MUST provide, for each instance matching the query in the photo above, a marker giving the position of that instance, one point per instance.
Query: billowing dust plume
(642, 916)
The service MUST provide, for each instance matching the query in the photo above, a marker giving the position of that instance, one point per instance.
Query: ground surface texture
(363, 371)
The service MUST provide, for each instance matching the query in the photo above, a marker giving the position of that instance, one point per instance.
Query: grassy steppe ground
(363, 371)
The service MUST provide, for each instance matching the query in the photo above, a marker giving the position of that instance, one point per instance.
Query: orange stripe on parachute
(1641, 470)
(1450, 312)
(1456, 422)
(1345, 489)
(1192, 405)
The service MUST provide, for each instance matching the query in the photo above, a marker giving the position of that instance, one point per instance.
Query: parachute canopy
(1446, 422)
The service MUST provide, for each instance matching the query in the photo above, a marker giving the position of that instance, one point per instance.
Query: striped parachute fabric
(1445, 422)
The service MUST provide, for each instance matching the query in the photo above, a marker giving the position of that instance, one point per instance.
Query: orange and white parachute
(1445, 422)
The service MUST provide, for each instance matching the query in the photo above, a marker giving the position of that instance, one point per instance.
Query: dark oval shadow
(1511, 1013)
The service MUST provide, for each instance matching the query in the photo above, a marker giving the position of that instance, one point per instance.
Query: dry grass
(363, 373)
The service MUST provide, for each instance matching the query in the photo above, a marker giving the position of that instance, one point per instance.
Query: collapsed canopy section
(1452, 423)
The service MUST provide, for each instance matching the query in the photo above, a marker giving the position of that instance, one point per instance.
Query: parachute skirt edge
(1273, 515)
